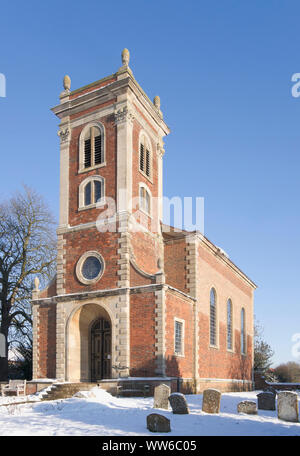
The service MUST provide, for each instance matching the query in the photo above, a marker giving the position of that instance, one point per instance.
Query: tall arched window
(145, 156)
(229, 324)
(213, 318)
(91, 147)
(243, 332)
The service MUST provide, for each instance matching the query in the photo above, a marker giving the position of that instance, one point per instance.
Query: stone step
(66, 390)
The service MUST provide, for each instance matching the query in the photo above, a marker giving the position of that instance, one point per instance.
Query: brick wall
(219, 362)
(182, 308)
(142, 334)
(108, 172)
(47, 341)
(175, 264)
(82, 241)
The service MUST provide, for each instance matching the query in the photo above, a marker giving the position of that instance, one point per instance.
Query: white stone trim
(35, 341)
(192, 278)
(160, 328)
(61, 264)
(79, 265)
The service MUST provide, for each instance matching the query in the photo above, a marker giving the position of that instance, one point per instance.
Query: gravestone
(266, 401)
(161, 394)
(179, 404)
(287, 405)
(158, 423)
(248, 407)
(211, 401)
(2, 346)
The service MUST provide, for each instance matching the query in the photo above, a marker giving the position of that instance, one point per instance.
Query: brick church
(148, 303)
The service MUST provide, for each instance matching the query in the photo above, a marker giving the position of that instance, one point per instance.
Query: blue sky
(223, 71)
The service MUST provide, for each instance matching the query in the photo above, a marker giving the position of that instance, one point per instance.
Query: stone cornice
(110, 292)
(106, 93)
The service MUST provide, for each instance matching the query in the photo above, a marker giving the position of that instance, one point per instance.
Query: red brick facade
(150, 278)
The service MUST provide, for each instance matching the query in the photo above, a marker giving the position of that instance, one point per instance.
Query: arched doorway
(89, 344)
(100, 349)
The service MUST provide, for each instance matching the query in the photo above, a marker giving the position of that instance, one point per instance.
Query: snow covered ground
(105, 415)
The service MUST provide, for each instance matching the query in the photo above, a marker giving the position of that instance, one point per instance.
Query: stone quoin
(154, 302)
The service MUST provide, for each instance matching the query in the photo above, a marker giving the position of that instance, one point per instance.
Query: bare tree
(27, 249)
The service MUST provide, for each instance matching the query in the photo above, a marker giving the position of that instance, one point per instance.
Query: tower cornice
(117, 84)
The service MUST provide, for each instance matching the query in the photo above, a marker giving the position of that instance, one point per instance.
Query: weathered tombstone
(266, 401)
(287, 405)
(211, 401)
(2, 346)
(158, 423)
(179, 404)
(161, 394)
(248, 407)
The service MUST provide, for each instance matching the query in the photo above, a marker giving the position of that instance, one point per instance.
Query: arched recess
(79, 363)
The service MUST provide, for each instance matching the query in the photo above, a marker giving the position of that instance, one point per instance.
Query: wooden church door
(101, 350)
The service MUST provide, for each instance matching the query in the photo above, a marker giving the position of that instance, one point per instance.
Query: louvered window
(213, 318)
(229, 324)
(87, 153)
(98, 150)
(142, 157)
(93, 145)
(145, 157)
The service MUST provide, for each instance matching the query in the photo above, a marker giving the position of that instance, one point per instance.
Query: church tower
(133, 297)
(111, 152)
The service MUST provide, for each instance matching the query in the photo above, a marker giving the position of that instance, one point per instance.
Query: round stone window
(90, 268)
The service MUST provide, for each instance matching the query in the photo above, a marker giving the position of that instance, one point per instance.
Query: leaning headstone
(179, 404)
(161, 394)
(266, 401)
(248, 407)
(158, 423)
(287, 405)
(211, 401)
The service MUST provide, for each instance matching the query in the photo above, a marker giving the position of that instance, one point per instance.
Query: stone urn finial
(156, 102)
(125, 57)
(67, 82)
(37, 284)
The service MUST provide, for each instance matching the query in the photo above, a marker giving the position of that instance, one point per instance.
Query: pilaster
(192, 277)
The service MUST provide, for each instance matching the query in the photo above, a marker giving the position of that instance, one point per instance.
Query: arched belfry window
(145, 156)
(91, 192)
(213, 317)
(91, 147)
